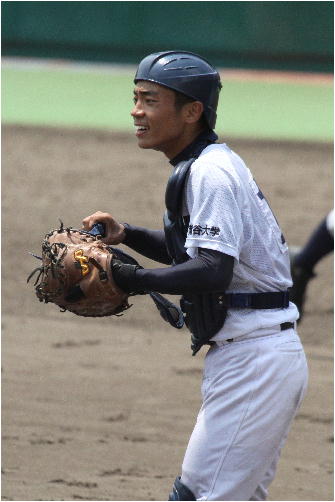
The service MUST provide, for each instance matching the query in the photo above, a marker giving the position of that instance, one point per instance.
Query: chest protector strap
(175, 226)
(204, 313)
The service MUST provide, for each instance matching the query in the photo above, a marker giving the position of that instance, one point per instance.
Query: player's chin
(145, 143)
(144, 146)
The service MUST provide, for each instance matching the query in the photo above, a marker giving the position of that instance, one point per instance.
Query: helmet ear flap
(186, 73)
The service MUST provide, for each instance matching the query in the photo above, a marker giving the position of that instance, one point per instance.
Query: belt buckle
(242, 300)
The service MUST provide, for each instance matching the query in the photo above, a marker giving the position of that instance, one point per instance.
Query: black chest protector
(204, 313)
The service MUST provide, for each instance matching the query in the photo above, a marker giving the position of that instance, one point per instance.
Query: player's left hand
(76, 274)
(124, 275)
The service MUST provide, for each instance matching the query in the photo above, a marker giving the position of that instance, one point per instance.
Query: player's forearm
(149, 243)
(210, 271)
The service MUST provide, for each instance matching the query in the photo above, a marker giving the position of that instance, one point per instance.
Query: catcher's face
(159, 124)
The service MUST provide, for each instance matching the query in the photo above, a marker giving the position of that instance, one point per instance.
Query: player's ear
(193, 111)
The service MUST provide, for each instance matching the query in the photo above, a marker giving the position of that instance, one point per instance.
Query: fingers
(114, 231)
(97, 217)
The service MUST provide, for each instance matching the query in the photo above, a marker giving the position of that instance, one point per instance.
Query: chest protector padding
(204, 315)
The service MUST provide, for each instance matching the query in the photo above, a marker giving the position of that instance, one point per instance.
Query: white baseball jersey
(330, 222)
(253, 386)
(229, 213)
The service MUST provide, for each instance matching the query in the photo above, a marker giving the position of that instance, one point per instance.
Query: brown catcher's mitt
(76, 274)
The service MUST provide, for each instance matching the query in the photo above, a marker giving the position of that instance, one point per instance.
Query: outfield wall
(271, 35)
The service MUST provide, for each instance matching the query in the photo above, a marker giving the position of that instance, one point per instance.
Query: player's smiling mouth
(141, 129)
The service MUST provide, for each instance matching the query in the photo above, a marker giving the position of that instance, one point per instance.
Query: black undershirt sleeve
(210, 271)
(149, 243)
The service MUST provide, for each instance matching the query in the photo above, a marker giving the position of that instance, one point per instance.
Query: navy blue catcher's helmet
(187, 73)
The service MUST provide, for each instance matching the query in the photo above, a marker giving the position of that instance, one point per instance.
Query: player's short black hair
(181, 99)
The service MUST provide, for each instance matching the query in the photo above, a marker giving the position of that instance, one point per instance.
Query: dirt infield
(103, 409)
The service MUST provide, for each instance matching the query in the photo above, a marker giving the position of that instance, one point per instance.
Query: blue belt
(274, 300)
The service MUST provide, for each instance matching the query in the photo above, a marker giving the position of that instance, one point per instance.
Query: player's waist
(283, 327)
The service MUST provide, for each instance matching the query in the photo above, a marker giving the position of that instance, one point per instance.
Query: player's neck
(189, 135)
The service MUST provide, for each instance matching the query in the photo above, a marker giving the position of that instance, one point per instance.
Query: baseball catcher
(76, 274)
(228, 259)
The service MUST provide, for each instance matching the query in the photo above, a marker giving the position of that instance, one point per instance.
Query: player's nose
(137, 111)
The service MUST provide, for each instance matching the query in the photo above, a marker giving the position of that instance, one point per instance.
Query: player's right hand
(114, 233)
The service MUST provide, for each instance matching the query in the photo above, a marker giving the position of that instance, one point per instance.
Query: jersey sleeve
(214, 204)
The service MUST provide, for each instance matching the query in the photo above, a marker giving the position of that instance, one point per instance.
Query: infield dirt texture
(103, 409)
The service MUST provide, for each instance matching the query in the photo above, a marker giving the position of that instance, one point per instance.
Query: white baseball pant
(252, 388)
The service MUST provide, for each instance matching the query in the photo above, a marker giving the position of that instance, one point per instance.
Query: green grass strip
(93, 99)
